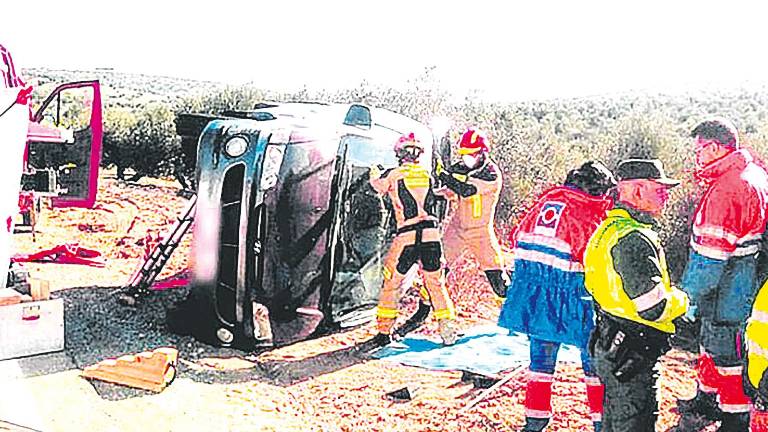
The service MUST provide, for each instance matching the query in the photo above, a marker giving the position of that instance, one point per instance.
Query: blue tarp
(486, 350)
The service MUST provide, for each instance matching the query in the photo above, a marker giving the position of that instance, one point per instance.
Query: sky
(501, 50)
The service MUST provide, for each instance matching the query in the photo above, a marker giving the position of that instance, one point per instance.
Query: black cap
(644, 169)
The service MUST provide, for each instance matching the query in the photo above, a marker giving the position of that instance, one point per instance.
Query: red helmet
(473, 141)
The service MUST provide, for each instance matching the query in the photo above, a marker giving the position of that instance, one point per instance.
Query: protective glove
(25, 94)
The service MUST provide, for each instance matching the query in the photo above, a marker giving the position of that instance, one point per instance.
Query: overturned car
(289, 235)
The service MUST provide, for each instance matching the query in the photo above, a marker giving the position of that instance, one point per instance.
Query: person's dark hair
(719, 130)
(592, 177)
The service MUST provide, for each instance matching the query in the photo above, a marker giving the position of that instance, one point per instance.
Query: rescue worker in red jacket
(417, 242)
(476, 179)
(720, 276)
(547, 299)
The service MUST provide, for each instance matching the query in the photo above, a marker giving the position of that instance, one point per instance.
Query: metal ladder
(145, 276)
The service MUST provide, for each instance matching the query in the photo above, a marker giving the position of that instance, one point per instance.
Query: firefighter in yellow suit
(756, 379)
(417, 242)
(475, 182)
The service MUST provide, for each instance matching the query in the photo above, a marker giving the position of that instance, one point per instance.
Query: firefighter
(476, 180)
(625, 271)
(547, 300)
(720, 275)
(756, 382)
(417, 241)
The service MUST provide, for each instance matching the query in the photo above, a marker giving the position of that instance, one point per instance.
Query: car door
(362, 230)
(65, 137)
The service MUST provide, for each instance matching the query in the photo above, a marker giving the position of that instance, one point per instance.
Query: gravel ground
(318, 385)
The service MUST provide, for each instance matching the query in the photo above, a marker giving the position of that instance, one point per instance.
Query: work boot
(734, 422)
(414, 321)
(448, 332)
(499, 282)
(535, 424)
(376, 342)
(697, 413)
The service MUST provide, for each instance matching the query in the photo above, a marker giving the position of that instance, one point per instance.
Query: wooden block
(9, 297)
(149, 370)
(39, 289)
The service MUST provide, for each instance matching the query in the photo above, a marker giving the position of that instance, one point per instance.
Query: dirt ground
(318, 385)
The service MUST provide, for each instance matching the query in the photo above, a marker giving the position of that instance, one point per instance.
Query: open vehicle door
(64, 145)
(361, 231)
(363, 225)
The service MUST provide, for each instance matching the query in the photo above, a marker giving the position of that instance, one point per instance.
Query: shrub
(534, 142)
(144, 141)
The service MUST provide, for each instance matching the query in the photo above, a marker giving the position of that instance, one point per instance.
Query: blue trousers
(544, 357)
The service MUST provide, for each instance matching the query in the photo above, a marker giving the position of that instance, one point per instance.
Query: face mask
(470, 160)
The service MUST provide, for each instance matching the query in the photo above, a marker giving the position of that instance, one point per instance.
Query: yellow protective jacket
(757, 341)
(409, 186)
(478, 193)
(625, 271)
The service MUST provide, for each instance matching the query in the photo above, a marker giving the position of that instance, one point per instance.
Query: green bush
(144, 141)
(535, 143)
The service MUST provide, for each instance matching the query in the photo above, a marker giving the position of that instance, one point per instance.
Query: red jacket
(564, 219)
(547, 299)
(731, 216)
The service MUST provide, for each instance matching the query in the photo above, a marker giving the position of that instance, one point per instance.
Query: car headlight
(236, 146)
(273, 159)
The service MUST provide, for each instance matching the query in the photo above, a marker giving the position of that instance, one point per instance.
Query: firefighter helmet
(473, 141)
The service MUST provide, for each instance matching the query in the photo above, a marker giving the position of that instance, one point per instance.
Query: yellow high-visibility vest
(757, 338)
(605, 284)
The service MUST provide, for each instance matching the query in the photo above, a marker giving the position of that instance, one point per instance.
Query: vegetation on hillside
(534, 142)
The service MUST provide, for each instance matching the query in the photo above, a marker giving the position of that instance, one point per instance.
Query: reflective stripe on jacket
(730, 218)
(728, 226)
(626, 273)
(409, 186)
(478, 193)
